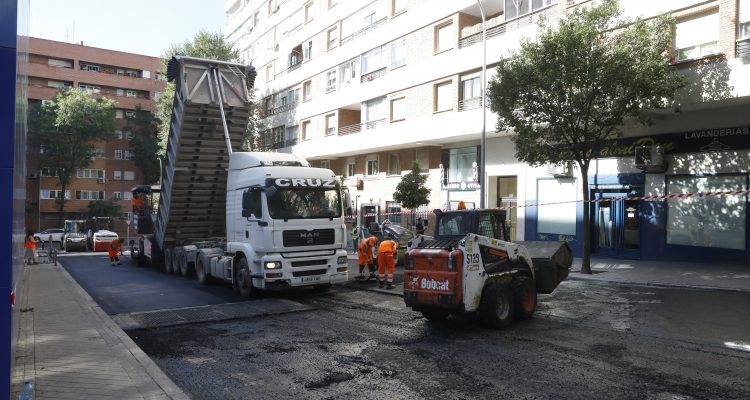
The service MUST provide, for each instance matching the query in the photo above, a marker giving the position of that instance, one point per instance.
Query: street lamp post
(483, 145)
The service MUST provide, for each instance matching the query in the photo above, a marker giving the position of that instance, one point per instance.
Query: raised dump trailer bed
(193, 191)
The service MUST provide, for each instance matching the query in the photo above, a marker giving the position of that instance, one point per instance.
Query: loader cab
(144, 197)
(458, 223)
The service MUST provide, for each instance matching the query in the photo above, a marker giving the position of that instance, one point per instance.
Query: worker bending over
(386, 262)
(364, 257)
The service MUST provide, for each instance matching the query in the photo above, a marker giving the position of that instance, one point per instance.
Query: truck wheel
(496, 308)
(435, 314)
(524, 298)
(168, 262)
(244, 281)
(201, 269)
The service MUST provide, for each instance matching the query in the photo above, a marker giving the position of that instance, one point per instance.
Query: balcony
(365, 30)
(469, 104)
(365, 126)
(371, 76)
(743, 48)
(497, 26)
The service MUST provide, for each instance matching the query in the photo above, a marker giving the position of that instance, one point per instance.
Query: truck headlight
(272, 264)
(342, 260)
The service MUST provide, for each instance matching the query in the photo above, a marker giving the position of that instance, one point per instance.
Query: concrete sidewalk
(68, 348)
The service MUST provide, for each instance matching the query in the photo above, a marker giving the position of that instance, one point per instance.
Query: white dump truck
(258, 220)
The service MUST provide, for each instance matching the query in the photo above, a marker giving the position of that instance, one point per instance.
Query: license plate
(310, 279)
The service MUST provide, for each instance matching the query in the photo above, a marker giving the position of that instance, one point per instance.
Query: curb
(149, 367)
(659, 285)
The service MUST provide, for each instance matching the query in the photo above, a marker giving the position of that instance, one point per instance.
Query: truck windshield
(302, 203)
(454, 225)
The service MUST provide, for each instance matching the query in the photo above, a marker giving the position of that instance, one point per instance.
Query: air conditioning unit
(561, 170)
(650, 159)
(101, 180)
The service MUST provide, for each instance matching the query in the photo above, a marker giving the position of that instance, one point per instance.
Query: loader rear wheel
(244, 280)
(496, 308)
(435, 314)
(524, 298)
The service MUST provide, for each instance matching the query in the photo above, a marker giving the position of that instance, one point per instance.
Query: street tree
(144, 146)
(209, 45)
(411, 192)
(66, 130)
(570, 90)
(104, 208)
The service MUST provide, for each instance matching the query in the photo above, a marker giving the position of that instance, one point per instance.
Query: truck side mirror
(247, 213)
(247, 202)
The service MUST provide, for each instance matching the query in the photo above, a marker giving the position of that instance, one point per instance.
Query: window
(309, 12)
(131, 93)
(744, 20)
(712, 221)
(394, 164)
(53, 62)
(98, 153)
(49, 172)
(461, 164)
(118, 114)
(90, 67)
(129, 155)
(127, 195)
(53, 194)
(307, 91)
(349, 71)
(129, 114)
(398, 53)
(89, 88)
(90, 173)
(444, 37)
(292, 134)
(116, 195)
(146, 74)
(131, 73)
(697, 37)
(306, 130)
(118, 154)
(373, 60)
(330, 124)
(423, 159)
(398, 6)
(393, 208)
(398, 109)
(89, 195)
(350, 169)
(333, 38)
(129, 175)
(256, 18)
(127, 216)
(331, 81)
(372, 167)
(471, 89)
(557, 218)
(58, 84)
(374, 110)
(325, 164)
(129, 135)
(117, 175)
(307, 51)
(443, 96)
(118, 134)
(269, 72)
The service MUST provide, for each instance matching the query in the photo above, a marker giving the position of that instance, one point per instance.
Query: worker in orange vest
(364, 258)
(386, 262)
(461, 205)
(115, 248)
(30, 246)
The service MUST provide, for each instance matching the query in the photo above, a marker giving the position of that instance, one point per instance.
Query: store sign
(700, 141)
(467, 186)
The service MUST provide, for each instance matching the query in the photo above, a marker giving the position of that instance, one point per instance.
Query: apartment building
(131, 81)
(367, 87)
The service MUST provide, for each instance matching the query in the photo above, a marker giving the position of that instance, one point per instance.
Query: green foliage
(144, 145)
(572, 89)
(209, 45)
(411, 191)
(104, 208)
(67, 129)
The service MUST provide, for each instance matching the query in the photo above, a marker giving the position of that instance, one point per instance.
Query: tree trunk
(586, 261)
(61, 204)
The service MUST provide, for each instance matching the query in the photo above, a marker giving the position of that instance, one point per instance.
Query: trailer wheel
(435, 314)
(168, 262)
(201, 266)
(524, 298)
(496, 308)
(244, 280)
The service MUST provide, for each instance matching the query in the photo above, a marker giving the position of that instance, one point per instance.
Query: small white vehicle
(102, 239)
(44, 235)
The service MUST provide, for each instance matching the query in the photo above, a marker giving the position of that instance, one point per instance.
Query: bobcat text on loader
(470, 266)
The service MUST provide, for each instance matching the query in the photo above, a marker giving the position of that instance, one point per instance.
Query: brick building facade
(128, 79)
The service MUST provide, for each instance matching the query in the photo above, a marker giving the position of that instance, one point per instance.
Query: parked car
(43, 236)
(74, 241)
(102, 239)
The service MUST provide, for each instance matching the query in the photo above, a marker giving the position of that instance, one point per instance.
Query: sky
(146, 27)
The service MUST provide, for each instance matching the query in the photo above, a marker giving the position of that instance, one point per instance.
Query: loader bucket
(552, 262)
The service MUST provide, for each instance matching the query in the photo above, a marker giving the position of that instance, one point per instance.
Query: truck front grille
(315, 237)
(297, 274)
(307, 263)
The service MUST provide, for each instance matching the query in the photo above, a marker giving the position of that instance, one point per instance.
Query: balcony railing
(469, 104)
(495, 27)
(288, 70)
(743, 48)
(364, 30)
(365, 126)
(371, 76)
(284, 143)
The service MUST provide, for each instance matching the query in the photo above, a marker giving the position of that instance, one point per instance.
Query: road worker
(355, 236)
(115, 248)
(30, 246)
(364, 257)
(386, 262)
(461, 205)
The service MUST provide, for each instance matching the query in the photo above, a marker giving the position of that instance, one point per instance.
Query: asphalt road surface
(587, 340)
